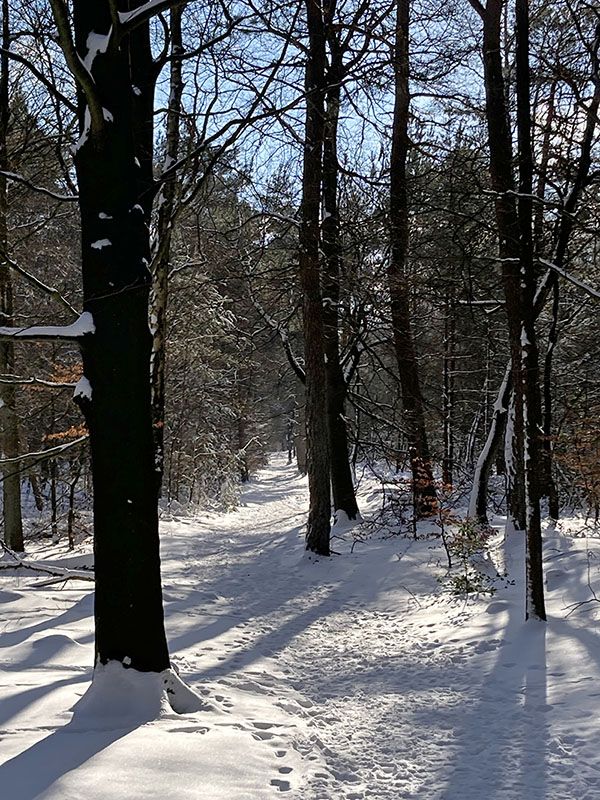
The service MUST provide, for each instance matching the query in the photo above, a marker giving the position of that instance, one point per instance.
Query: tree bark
(507, 223)
(566, 223)
(408, 367)
(344, 497)
(548, 483)
(448, 390)
(318, 458)
(11, 482)
(530, 374)
(114, 171)
(162, 253)
(478, 500)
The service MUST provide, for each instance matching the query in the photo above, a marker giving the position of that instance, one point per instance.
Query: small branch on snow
(56, 572)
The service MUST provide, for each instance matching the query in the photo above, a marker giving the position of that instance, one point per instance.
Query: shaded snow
(351, 678)
(96, 43)
(83, 388)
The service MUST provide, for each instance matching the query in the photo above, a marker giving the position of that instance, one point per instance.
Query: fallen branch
(60, 573)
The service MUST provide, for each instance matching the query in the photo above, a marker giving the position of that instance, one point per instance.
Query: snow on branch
(34, 281)
(41, 455)
(131, 19)
(83, 77)
(17, 178)
(35, 333)
(48, 84)
(595, 293)
(15, 380)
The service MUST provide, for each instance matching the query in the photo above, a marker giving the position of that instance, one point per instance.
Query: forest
(297, 308)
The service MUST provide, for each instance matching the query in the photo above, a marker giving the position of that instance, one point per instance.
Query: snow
(87, 126)
(96, 43)
(81, 327)
(356, 677)
(99, 244)
(126, 17)
(83, 388)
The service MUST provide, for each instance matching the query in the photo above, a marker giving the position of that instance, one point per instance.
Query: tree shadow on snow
(499, 745)
(34, 771)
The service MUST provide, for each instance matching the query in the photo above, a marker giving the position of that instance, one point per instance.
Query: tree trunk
(162, 252)
(344, 497)
(11, 483)
(448, 390)
(500, 147)
(319, 516)
(300, 439)
(548, 483)
(530, 388)
(567, 219)
(114, 170)
(408, 368)
(478, 500)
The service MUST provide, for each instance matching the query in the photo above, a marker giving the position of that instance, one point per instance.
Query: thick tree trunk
(11, 480)
(344, 497)
(319, 516)
(408, 367)
(113, 161)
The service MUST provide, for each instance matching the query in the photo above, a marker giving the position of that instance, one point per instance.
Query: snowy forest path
(391, 687)
(355, 677)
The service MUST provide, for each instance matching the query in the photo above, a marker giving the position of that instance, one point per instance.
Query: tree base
(120, 697)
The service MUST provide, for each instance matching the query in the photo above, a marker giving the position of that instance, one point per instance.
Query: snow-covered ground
(357, 677)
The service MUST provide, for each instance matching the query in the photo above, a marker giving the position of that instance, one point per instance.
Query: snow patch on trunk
(83, 388)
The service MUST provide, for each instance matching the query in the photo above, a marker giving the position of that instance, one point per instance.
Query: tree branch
(36, 333)
(479, 7)
(131, 19)
(14, 176)
(41, 455)
(41, 78)
(75, 63)
(15, 380)
(41, 285)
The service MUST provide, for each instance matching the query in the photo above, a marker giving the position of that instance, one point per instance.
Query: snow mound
(120, 698)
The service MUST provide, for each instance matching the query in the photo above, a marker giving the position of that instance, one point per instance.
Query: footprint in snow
(283, 786)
